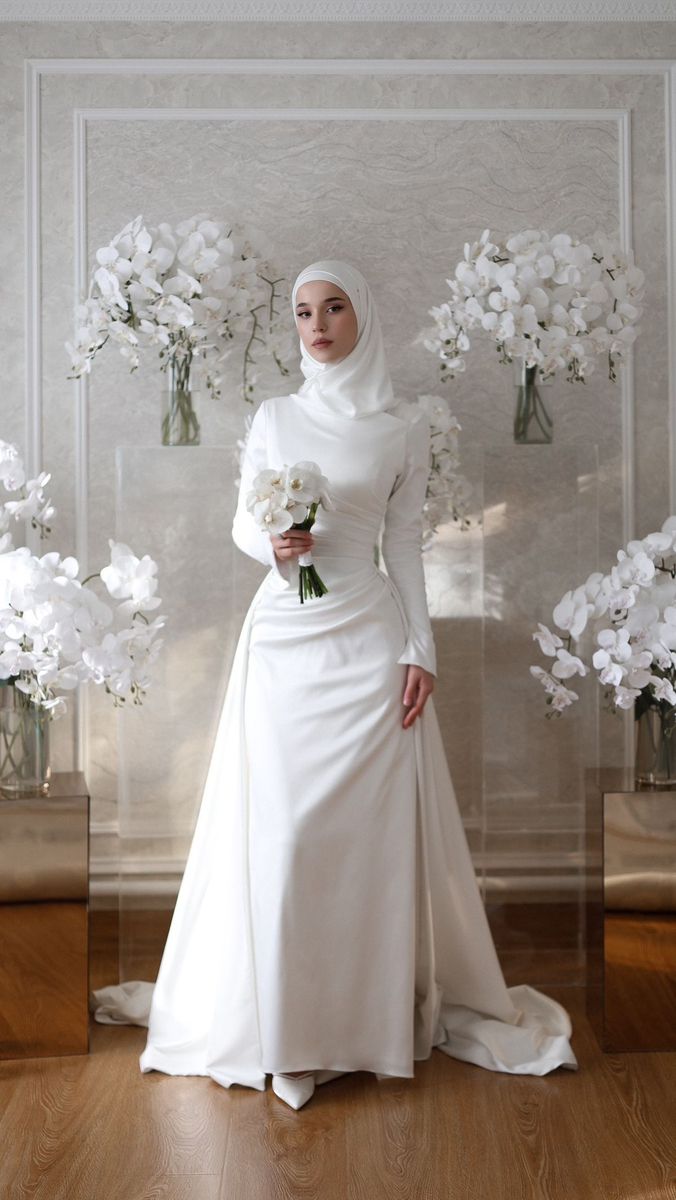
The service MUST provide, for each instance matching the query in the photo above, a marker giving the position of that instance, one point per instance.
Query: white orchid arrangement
(630, 615)
(555, 303)
(188, 290)
(55, 632)
(29, 503)
(288, 499)
(448, 491)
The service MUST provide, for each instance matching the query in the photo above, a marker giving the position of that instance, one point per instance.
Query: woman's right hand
(291, 543)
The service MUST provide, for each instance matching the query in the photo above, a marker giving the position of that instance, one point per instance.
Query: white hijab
(360, 383)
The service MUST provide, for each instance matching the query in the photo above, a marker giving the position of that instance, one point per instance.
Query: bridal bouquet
(448, 491)
(186, 289)
(553, 302)
(55, 632)
(288, 499)
(630, 618)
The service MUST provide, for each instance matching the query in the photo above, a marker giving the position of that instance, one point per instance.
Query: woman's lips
(322, 342)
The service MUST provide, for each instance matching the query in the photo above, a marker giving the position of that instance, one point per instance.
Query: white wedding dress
(329, 914)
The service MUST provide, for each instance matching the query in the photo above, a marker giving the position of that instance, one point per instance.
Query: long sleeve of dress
(246, 534)
(402, 544)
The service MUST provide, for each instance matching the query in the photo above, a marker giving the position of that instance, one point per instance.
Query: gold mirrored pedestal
(630, 911)
(44, 908)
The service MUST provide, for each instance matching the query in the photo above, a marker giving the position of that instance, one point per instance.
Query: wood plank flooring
(92, 1127)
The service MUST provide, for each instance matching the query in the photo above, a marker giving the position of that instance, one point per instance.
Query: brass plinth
(44, 908)
(630, 911)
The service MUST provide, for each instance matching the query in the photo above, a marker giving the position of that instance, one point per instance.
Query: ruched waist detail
(343, 561)
(342, 545)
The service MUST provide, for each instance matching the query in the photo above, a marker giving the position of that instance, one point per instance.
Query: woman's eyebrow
(304, 304)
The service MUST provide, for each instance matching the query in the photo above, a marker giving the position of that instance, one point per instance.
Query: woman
(329, 918)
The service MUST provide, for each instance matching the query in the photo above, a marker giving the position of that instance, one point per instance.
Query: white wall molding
(619, 115)
(33, 278)
(156, 884)
(350, 66)
(670, 235)
(254, 11)
(80, 281)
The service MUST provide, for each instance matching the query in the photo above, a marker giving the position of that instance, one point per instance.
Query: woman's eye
(338, 307)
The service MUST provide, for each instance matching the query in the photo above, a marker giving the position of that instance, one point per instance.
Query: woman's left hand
(419, 685)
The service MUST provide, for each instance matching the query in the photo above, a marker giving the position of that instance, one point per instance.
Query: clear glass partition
(541, 539)
(175, 504)
(518, 777)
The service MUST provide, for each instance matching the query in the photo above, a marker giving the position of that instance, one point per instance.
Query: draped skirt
(329, 914)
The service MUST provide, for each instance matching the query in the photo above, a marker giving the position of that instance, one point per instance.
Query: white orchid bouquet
(188, 290)
(448, 491)
(555, 303)
(630, 617)
(288, 499)
(55, 632)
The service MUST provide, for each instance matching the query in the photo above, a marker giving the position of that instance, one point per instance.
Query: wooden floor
(92, 1127)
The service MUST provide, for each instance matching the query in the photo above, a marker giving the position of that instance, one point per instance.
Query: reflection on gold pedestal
(44, 893)
(640, 981)
(631, 912)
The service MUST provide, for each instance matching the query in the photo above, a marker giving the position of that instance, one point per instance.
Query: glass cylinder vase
(25, 768)
(532, 422)
(180, 426)
(655, 762)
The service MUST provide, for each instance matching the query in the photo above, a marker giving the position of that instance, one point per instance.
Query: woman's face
(324, 310)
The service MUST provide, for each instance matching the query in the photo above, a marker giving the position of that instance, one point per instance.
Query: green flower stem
(309, 581)
(530, 408)
(179, 424)
(24, 732)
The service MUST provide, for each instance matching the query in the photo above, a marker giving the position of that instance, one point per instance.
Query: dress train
(202, 1011)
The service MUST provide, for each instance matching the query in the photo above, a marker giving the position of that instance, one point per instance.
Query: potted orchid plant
(188, 290)
(56, 632)
(551, 304)
(623, 625)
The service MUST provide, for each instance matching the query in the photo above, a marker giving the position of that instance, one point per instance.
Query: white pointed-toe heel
(295, 1090)
(382, 1076)
(325, 1076)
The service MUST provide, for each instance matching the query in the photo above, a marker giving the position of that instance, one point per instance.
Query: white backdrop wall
(347, 141)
